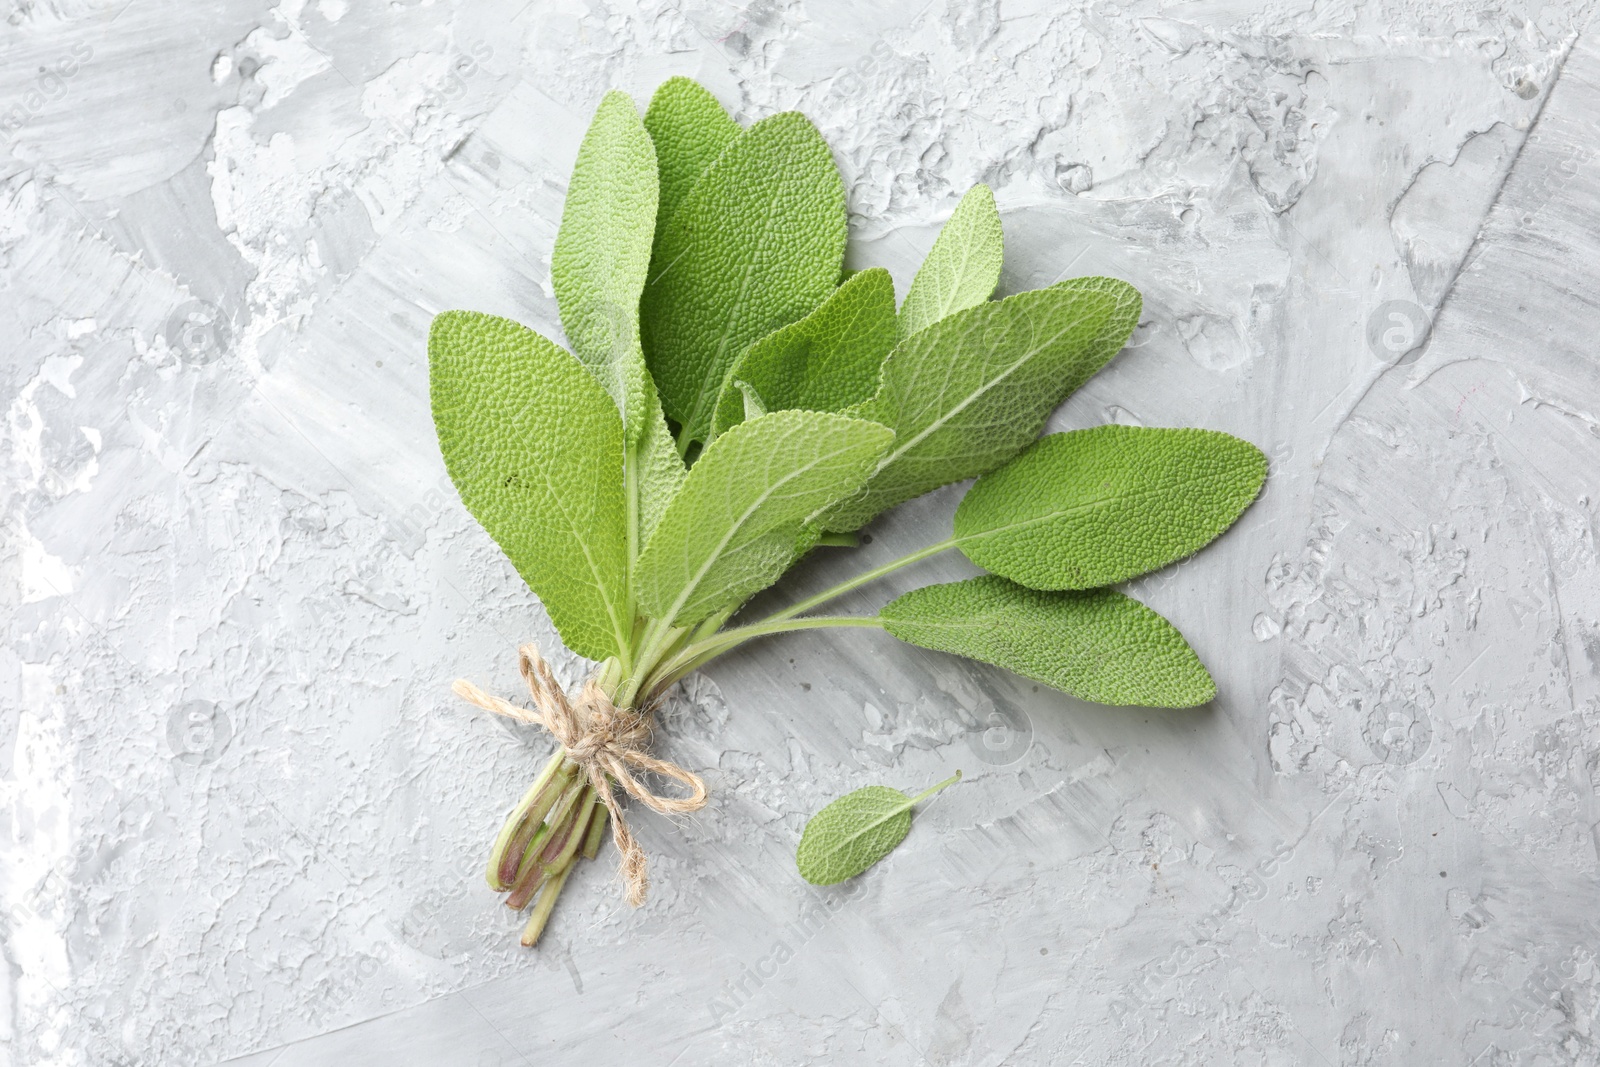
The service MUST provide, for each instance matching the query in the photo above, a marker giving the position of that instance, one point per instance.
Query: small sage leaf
(856, 831)
(828, 361)
(963, 267)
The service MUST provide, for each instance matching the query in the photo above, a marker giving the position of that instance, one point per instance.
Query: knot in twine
(602, 739)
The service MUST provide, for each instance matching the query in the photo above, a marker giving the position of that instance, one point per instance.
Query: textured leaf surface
(1092, 507)
(856, 831)
(690, 130)
(756, 244)
(827, 361)
(1098, 644)
(962, 268)
(735, 526)
(660, 469)
(972, 390)
(534, 445)
(602, 254)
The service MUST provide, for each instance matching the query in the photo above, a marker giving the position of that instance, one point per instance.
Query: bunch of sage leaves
(731, 398)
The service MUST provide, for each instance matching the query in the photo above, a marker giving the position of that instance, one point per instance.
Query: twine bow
(602, 739)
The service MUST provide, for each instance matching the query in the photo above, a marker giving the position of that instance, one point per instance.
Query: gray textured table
(244, 817)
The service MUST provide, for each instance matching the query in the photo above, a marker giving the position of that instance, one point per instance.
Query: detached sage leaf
(1093, 507)
(735, 525)
(975, 388)
(534, 445)
(856, 831)
(756, 244)
(827, 361)
(602, 255)
(962, 268)
(1098, 645)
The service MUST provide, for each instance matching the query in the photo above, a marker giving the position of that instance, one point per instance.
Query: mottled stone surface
(244, 819)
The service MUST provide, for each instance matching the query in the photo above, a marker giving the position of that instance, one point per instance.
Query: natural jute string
(602, 739)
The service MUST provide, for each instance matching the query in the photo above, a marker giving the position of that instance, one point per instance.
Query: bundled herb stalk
(733, 399)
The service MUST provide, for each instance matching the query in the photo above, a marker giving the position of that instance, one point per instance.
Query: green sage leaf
(690, 130)
(660, 470)
(827, 361)
(756, 243)
(961, 269)
(534, 446)
(856, 831)
(740, 518)
(1098, 644)
(975, 388)
(1092, 507)
(602, 254)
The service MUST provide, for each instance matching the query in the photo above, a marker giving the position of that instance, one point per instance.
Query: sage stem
(926, 793)
(597, 829)
(703, 652)
(862, 579)
(576, 830)
(547, 903)
(524, 821)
